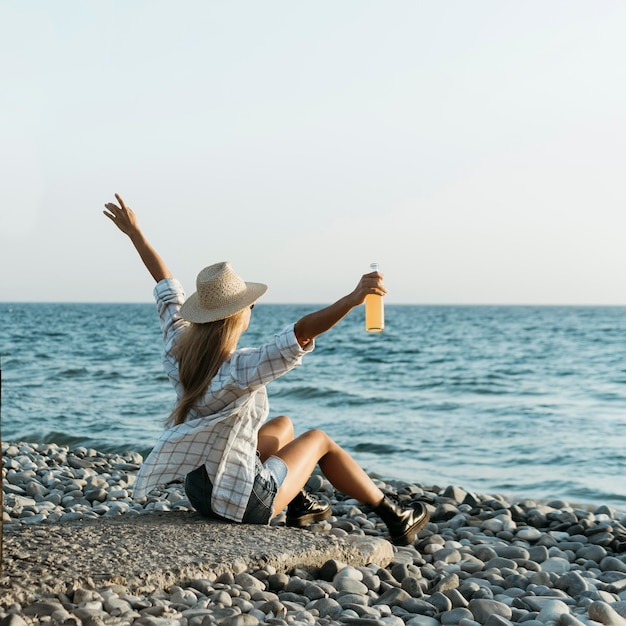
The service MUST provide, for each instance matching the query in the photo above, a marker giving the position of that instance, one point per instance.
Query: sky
(475, 150)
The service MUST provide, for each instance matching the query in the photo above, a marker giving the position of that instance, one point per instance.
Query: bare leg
(313, 447)
(274, 435)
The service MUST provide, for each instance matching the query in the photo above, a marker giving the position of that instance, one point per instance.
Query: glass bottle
(374, 310)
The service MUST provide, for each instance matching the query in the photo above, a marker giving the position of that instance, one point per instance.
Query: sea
(527, 402)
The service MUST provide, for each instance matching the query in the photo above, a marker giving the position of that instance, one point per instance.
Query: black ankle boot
(402, 524)
(304, 509)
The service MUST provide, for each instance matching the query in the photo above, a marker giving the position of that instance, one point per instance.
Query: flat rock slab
(157, 550)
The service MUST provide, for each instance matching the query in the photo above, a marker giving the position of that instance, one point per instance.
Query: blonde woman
(238, 465)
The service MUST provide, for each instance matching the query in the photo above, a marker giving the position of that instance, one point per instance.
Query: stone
(591, 552)
(315, 592)
(455, 493)
(449, 582)
(374, 549)
(348, 572)
(605, 614)
(327, 607)
(500, 562)
(249, 582)
(573, 583)
(512, 552)
(529, 533)
(611, 563)
(456, 598)
(440, 601)
(351, 600)
(412, 586)
(423, 620)
(350, 585)
(278, 581)
(452, 617)
(43, 608)
(419, 607)
(552, 610)
(275, 607)
(482, 608)
(556, 564)
(330, 569)
(393, 597)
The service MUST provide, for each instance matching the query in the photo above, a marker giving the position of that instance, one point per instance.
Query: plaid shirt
(221, 431)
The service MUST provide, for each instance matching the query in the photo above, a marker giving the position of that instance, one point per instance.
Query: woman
(238, 466)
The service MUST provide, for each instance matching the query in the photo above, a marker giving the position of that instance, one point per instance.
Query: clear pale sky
(476, 150)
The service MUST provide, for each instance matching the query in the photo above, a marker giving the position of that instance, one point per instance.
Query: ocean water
(528, 402)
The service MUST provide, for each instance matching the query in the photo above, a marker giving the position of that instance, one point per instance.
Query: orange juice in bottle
(374, 310)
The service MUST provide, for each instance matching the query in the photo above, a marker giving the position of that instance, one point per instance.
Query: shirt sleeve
(255, 367)
(169, 296)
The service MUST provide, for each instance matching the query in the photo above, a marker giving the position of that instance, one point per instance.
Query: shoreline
(480, 556)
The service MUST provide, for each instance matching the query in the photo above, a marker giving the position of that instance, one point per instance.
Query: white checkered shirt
(221, 431)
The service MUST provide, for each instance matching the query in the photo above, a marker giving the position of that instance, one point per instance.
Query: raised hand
(122, 216)
(126, 220)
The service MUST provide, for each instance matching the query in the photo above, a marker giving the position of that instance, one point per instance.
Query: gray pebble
(605, 614)
(557, 565)
(351, 600)
(452, 617)
(327, 607)
(440, 601)
(393, 597)
(528, 533)
(423, 620)
(412, 586)
(482, 608)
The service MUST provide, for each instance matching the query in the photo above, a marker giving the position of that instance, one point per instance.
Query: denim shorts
(269, 477)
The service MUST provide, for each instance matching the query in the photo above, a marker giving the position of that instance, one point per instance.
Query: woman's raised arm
(126, 220)
(318, 322)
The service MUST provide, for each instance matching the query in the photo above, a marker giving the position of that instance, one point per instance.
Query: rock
(440, 601)
(330, 568)
(529, 533)
(603, 613)
(412, 586)
(327, 607)
(611, 563)
(393, 597)
(482, 608)
(423, 620)
(43, 608)
(556, 564)
(452, 617)
(552, 611)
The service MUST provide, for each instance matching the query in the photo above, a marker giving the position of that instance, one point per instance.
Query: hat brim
(193, 312)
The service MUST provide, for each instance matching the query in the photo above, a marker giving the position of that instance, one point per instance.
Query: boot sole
(306, 520)
(408, 537)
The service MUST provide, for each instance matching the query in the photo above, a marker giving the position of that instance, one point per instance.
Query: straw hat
(220, 293)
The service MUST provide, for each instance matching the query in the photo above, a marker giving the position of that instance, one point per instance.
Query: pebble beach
(482, 559)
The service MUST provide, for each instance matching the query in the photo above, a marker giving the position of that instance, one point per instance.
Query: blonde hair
(200, 350)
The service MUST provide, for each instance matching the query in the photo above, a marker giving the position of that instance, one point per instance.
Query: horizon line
(425, 304)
